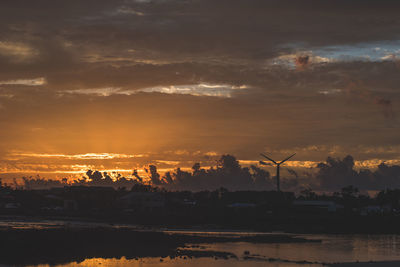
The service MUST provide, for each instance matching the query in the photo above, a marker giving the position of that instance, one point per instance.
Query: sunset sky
(118, 85)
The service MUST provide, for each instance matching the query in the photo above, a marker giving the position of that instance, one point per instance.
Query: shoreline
(89, 222)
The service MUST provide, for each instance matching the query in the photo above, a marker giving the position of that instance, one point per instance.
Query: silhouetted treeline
(227, 173)
(342, 211)
(92, 178)
(331, 175)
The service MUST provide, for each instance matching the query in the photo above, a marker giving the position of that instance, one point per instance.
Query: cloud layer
(131, 77)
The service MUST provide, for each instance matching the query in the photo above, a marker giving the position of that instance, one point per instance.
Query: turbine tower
(278, 164)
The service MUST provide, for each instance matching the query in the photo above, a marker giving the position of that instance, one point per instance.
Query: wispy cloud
(28, 82)
(17, 51)
(103, 91)
(79, 156)
(129, 11)
(203, 89)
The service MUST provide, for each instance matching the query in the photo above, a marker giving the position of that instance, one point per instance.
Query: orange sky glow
(119, 85)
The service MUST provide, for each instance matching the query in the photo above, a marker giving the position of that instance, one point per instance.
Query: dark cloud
(68, 36)
(386, 105)
(359, 90)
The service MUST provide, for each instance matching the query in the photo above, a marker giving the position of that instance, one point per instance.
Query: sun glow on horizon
(59, 165)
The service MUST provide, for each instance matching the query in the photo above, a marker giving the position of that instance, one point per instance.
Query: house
(376, 210)
(316, 206)
(142, 201)
(12, 206)
(242, 205)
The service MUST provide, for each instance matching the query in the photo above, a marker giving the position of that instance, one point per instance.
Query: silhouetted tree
(135, 174)
(389, 196)
(350, 192)
(154, 175)
(196, 168)
(309, 194)
(143, 188)
(168, 178)
(228, 163)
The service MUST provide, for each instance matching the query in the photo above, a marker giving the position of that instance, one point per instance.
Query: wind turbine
(278, 164)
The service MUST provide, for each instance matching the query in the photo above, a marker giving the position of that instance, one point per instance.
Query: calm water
(332, 249)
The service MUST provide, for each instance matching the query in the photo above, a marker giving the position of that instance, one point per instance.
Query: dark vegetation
(346, 211)
(328, 176)
(227, 173)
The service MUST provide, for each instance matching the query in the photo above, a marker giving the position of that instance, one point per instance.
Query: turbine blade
(264, 163)
(287, 158)
(268, 158)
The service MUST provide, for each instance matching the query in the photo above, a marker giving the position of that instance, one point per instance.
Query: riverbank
(283, 224)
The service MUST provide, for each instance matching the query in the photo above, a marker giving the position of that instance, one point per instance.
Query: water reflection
(333, 248)
(150, 262)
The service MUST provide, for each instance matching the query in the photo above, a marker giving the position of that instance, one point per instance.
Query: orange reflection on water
(177, 262)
